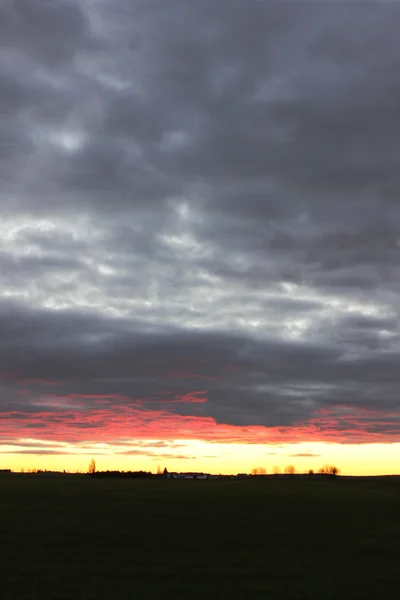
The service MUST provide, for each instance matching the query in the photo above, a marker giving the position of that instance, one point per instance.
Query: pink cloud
(112, 423)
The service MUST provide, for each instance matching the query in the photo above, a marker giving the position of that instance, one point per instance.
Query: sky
(199, 234)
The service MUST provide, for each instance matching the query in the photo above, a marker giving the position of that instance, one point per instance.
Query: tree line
(331, 470)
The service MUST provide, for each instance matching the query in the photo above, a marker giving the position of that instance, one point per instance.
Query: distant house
(188, 476)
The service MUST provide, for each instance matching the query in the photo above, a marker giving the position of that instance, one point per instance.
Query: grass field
(86, 538)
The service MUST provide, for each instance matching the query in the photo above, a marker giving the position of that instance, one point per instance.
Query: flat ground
(86, 538)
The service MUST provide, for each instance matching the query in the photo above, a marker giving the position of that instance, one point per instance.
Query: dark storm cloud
(199, 209)
(81, 361)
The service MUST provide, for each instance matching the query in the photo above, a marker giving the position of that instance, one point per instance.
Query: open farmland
(76, 537)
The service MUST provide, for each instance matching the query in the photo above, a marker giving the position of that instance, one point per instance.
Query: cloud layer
(199, 210)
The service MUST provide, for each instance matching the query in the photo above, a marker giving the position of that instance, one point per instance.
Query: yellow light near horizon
(366, 459)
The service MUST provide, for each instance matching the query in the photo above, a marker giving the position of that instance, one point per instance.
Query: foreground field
(85, 538)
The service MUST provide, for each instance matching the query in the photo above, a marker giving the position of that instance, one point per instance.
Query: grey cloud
(32, 265)
(188, 187)
(368, 322)
(92, 359)
(48, 31)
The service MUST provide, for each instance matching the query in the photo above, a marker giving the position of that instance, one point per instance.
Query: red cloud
(110, 424)
(111, 417)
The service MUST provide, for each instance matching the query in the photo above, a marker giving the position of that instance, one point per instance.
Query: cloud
(198, 220)
(304, 455)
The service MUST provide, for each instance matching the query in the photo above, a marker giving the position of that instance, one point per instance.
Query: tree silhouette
(276, 470)
(330, 470)
(92, 467)
(259, 471)
(290, 470)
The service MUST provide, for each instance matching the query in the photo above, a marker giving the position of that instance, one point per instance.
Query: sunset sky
(199, 235)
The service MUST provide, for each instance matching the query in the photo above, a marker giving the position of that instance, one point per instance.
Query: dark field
(85, 538)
